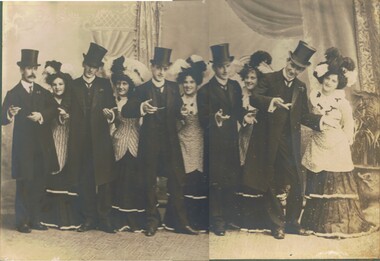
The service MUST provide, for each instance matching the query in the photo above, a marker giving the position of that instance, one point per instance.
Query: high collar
(158, 84)
(285, 77)
(88, 80)
(26, 85)
(221, 81)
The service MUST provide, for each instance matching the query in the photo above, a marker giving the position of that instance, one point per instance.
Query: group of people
(87, 154)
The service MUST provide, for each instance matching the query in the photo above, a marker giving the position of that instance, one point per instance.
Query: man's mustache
(31, 76)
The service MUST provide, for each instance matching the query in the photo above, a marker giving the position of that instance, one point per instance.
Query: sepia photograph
(190, 130)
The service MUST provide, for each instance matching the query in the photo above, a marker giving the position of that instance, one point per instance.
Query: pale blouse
(329, 149)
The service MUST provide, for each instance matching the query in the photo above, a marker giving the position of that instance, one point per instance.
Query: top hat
(161, 56)
(94, 55)
(221, 54)
(302, 54)
(28, 58)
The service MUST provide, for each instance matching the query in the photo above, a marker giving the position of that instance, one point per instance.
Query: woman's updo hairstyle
(195, 70)
(343, 67)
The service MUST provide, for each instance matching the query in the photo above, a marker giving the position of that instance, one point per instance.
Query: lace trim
(343, 235)
(249, 195)
(128, 210)
(347, 196)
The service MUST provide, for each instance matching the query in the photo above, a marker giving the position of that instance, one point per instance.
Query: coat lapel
(296, 90)
(220, 93)
(23, 96)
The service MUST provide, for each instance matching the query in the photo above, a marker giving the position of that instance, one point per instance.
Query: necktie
(88, 85)
(30, 89)
(224, 87)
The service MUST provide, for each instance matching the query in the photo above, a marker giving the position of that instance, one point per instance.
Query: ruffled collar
(326, 104)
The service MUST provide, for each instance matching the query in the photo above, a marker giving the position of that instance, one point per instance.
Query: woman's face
(251, 80)
(330, 83)
(58, 87)
(122, 88)
(189, 86)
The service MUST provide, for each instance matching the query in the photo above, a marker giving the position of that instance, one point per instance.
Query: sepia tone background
(63, 30)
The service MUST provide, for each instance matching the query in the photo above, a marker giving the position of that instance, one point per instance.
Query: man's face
(222, 71)
(28, 73)
(89, 71)
(159, 72)
(292, 70)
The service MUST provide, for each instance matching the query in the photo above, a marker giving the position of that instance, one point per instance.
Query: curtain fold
(367, 22)
(148, 28)
(329, 23)
(273, 19)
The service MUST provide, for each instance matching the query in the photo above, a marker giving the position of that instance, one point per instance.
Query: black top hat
(28, 58)
(302, 54)
(221, 54)
(94, 55)
(161, 56)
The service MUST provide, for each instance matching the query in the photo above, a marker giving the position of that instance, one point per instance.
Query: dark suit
(273, 156)
(221, 144)
(91, 155)
(33, 151)
(159, 150)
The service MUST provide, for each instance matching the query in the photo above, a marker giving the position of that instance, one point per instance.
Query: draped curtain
(148, 24)
(367, 22)
(321, 23)
(131, 30)
(274, 19)
(114, 28)
(329, 23)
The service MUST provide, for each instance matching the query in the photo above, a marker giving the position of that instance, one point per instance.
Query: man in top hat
(30, 107)
(274, 166)
(91, 155)
(220, 109)
(159, 102)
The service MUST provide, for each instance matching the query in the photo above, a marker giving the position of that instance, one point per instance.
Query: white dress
(329, 149)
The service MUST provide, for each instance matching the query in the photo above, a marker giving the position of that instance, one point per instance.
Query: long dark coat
(102, 149)
(148, 135)
(221, 143)
(28, 136)
(259, 166)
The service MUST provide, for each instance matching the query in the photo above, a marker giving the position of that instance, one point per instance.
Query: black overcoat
(221, 143)
(259, 166)
(148, 131)
(100, 138)
(31, 137)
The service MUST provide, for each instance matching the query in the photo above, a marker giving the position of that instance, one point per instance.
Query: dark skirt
(333, 208)
(61, 208)
(251, 216)
(128, 198)
(196, 204)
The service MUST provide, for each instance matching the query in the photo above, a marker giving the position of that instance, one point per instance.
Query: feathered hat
(336, 63)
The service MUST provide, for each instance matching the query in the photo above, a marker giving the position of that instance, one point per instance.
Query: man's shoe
(24, 228)
(39, 226)
(107, 227)
(278, 233)
(188, 231)
(150, 231)
(220, 233)
(86, 227)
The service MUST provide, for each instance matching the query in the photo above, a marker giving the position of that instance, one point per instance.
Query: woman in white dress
(332, 207)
